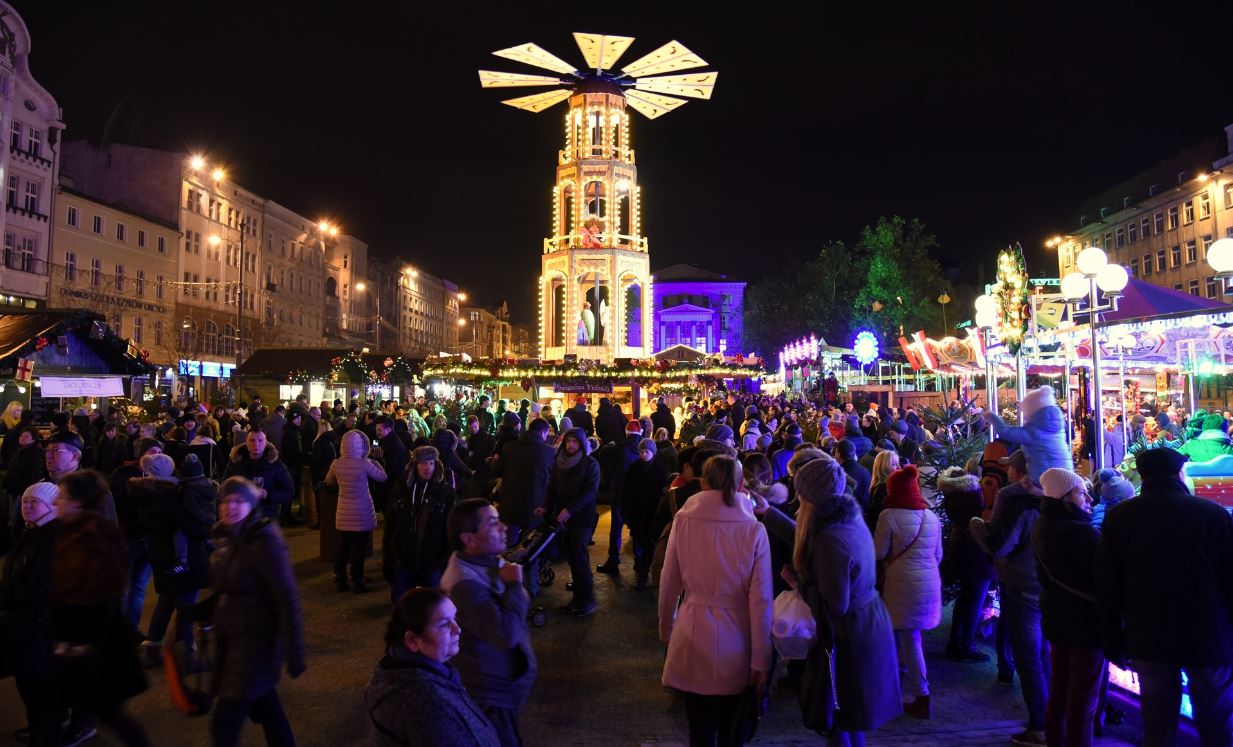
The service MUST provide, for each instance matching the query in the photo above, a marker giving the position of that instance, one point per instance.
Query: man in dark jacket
(394, 457)
(845, 454)
(487, 421)
(779, 460)
(524, 470)
(643, 488)
(1007, 537)
(581, 418)
(111, 449)
(609, 422)
(615, 459)
(1165, 588)
(273, 426)
(662, 418)
(136, 533)
(852, 432)
(572, 490)
(480, 445)
(257, 459)
(495, 657)
(291, 451)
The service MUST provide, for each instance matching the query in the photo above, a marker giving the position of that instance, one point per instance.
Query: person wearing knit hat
(417, 544)
(426, 454)
(1041, 433)
(1160, 462)
(1065, 545)
(159, 466)
(833, 556)
(38, 506)
(641, 490)
(721, 433)
(780, 457)
(1112, 492)
(617, 457)
(908, 539)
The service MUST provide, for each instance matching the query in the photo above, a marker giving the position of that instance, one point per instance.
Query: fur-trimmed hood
(240, 453)
(956, 480)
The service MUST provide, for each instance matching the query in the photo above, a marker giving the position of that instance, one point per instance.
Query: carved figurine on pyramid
(592, 234)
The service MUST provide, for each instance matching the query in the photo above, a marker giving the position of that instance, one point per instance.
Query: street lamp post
(1095, 273)
(362, 286)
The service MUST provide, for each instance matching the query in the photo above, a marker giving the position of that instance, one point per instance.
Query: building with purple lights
(698, 308)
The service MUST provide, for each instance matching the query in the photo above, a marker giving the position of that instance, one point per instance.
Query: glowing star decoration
(866, 347)
(1010, 294)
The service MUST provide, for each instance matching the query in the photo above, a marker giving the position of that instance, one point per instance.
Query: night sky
(989, 128)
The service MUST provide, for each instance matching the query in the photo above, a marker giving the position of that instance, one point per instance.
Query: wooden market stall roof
(92, 347)
(643, 371)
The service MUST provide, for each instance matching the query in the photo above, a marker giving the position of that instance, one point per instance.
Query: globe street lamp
(1094, 273)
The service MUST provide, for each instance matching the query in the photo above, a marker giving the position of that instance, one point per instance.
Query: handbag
(884, 564)
(750, 710)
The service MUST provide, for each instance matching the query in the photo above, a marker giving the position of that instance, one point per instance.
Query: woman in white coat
(908, 544)
(356, 517)
(719, 639)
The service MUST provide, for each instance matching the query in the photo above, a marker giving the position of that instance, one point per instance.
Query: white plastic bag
(793, 629)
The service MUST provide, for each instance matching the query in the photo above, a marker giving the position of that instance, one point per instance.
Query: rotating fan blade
(602, 51)
(652, 105)
(537, 102)
(534, 54)
(669, 58)
(694, 85)
(493, 79)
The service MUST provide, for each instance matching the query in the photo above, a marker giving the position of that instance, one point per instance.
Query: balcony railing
(20, 210)
(28, 156)
(595, 153)
(606, 241)
(23, 262)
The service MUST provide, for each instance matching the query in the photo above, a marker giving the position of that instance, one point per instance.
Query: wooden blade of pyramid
(669, 58)
(694, 85)
(602, 51)
(534, 54)
(652, 105)
(493, 79)
(537, 102)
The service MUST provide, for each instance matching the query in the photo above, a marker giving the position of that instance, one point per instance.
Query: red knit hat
(903, 489)
(633, 426)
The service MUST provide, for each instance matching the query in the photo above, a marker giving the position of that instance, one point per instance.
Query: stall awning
(1141, 299)
(314, 363)
(73, 342)
(17, 330)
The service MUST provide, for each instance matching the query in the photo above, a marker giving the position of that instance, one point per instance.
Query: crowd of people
(728, 502)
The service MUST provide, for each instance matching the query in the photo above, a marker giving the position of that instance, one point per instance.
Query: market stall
(281, 374)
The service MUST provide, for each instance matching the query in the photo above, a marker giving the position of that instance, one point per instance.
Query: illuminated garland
(1010, 292)
(648, 371)
(352, 368)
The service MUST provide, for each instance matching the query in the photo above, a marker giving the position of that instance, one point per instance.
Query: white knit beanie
(1058, 482)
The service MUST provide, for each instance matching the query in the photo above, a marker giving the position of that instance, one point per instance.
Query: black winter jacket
(524, 468)
(275, 476)
(164, 509)
(415, 538)
(25, 599)
(1165, 577)
(575, 489)
(1065, 544)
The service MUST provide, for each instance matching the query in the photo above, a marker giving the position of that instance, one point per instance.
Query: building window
(14, 185)
(72, 216)
(1207, 243)
(1172, 225)
(1145, 227)
(15, 135)
(1158, 222)
(158, 287)
(196, 242)
(1205, 206)
(119, 277)
(196, 283)
(1147, 265)
(141, 237)
(1228, 196)
(138, 325)
(1108, 241)
(1211, 286)
(158, 331)
(1132, 232)
(96, 272)
(32, 197)
(188, 278)
(1175, 255)
(121, 232)
(162, 245)
(1160, 260)
(1121, 238)
(117, 323)
(70, 266)
(228, 341)
(1193, 287)
(1192, 252)
(35, 144)
(98, 224)
(1134, 267)
(211, 338)
(1188, 212)
(141, 282)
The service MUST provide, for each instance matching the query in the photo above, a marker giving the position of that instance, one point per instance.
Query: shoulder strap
(1065, 587)
(908, 546)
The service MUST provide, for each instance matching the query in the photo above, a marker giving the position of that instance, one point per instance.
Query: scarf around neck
(567, 462)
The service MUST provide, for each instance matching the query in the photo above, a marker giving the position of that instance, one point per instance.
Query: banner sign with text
(82, 386)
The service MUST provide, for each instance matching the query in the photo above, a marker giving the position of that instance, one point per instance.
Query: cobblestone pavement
(598, 681)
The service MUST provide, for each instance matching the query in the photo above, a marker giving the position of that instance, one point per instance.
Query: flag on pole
(25, 369)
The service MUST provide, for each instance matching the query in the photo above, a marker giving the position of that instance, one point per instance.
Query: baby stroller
(529, 553)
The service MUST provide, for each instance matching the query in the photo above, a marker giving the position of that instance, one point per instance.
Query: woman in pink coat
(719, 639)
(908, 541)
(356, 517)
